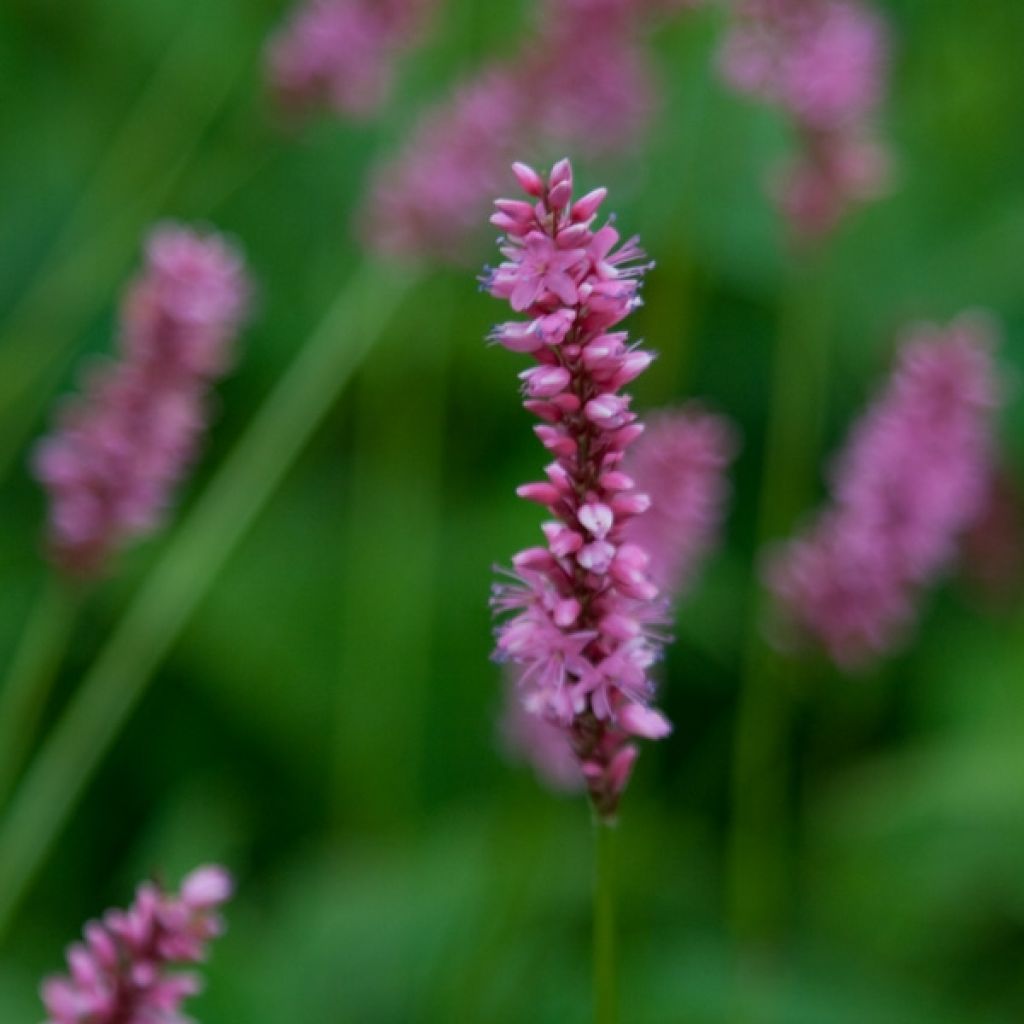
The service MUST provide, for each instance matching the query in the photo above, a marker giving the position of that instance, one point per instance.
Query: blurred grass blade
(25, 691)
(193, 558)
(758, 873)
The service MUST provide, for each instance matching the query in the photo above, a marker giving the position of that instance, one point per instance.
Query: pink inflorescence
(120, 448)
(121, 973)
(913, 477)
(341, 53)
(824, 63)
(582, 80)
(582, 611)
(680, 462)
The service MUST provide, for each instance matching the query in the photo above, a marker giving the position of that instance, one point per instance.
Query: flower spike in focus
(581, 616)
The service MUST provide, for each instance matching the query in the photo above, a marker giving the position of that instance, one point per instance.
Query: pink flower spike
(122, 973)
(118, 452)
(583, 79)
(580, 622)
(824, 63)
(911, 480)
(341, 54)
(545, 381)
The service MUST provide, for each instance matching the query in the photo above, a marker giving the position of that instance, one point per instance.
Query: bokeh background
(326, 723)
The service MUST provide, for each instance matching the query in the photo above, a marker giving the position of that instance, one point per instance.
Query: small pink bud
(616, 480)
(503, 222)
(574, 236)
(631, 367)
(533, 558)
(206, 887)
(586, 206)
(568, 403)
(555, 326)
(643, 721)
(631, 503)
(529, 179)
(518, 337)
(543, 410)
(559, 196)
(562, 540)
(605, 410)
(516, 209)
(542, 493)
(561, 173)
(556, 440)
(545, 381)
(625, 436)
(558, 475)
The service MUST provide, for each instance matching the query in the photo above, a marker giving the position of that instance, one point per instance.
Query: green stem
(33, 668)
(759, 830)
(170, 594)
(606, 999)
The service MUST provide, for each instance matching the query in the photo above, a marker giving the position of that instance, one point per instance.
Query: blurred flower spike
(120, 973)
(584, 80)
(341, 54)
(913, 478)
(120, 449)
(824, 63)
(581, 615)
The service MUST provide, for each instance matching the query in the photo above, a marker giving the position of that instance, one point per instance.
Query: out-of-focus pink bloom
(341, 53)
(817, 187)
(823, 62)
(122, 446)
(542, 744)
(590, 76)
(582, 82)
(120, 973)
(581, 612)
(913, 477)
(428, 200)
(680, 462)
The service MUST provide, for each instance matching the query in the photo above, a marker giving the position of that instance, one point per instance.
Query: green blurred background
(326, 723)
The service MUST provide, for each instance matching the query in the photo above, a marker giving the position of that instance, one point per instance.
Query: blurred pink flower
(119, 974)
(543, 745)
(341, 53)
(680, 462)
(582, 614)
(582, 82)
(120, 448)
(824, 63)
(913, 477)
